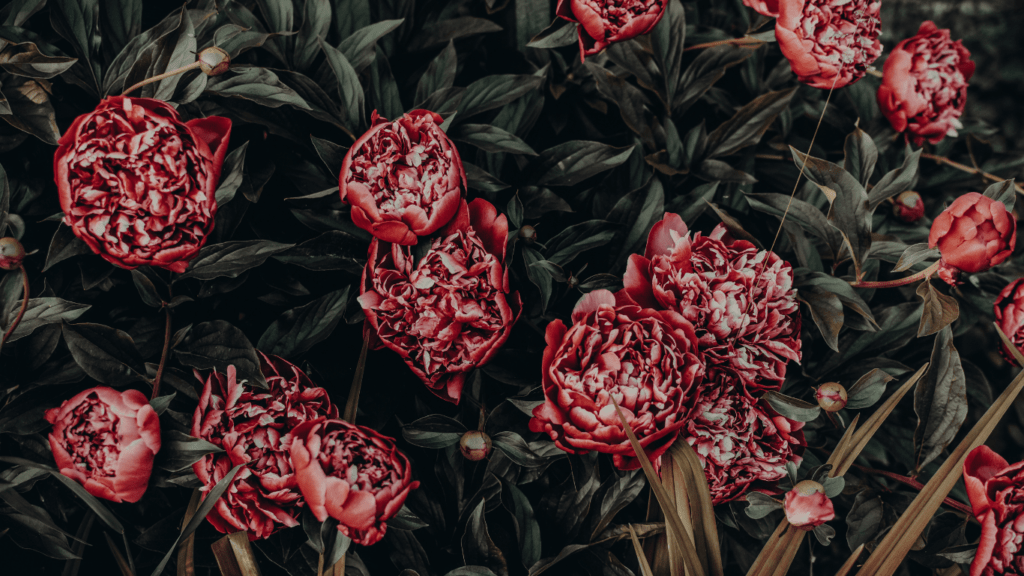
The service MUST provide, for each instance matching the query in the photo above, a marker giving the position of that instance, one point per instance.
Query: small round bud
(528, 234)
(214, 61)
(908, 207)
(808, 488)
(572, 282)
(807, 506)
(831, 397)
(12, 253)
(475, 445)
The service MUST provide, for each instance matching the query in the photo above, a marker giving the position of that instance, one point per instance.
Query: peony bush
(449, 288)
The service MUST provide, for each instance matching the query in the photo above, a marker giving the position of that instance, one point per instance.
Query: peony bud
(807, 506)
(908, 207)
(11, 254)
(475, 445)
(974, 234)
(831, 397)
(214, 61)
(528, 234)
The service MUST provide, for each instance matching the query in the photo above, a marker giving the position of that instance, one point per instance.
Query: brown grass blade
(234, 555)
(890, 552)
(766, 557)
(645, 568)
(657, 548)
(848, 565)
(187, 549)
(352, 406)
(702, 511)
(672, 520)
(122, 564)
(844, 442)
(673, 480)
(1010, 346)
(864, 433)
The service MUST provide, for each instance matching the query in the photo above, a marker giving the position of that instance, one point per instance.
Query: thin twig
(163, 76)
(970, 170)
(24, 304)
(745, 41)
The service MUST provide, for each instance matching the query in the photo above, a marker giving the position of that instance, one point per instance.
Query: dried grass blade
(672, 520)
(845, 441)
(673, 480)
(645, 568)
(1010, 346)
(848, 565)
(187, 549)
(122, 564)
(657, 548)
(865, 432)
(702, 510)
(897, 543)
(786, 551)
(763, 559)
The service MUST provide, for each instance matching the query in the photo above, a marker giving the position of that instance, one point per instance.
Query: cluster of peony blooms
(996, 492)
(293, 449)
(703, 326)
(445, 306)
(294, 452)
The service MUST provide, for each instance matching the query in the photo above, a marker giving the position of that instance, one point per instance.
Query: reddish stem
(160, 77)
(734, 41)
(24, 305)
(956, 505)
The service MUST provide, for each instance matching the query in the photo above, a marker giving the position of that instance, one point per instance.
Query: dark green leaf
(332, 250)
(359, 47)
(490, 139)
(1003, 192)
(749, 123)
(179, 451)
(861, 155)
(707, 68)
(939, 310)
(915, 254)
(897, 181)
(296, 331)
(479, 179)
(63, 246)
(440, 73)
(217, 345)
(447, 30)
(514, 210)
(826, 311)
(434, 431)
(146, 288)
(792, 408)
(229, 259)
(572, 241)
(106, 354)
(527, 527)
(258, 85)
(864, 520)
(477, 546)
(940, 400)
(32, 111)
(513, 446)
(495, 91)
(667, 41)
(572, 162)
(349, 88)
(760, 505)
(231, 175)
(868, 389)
(315, 24)
(559, 33)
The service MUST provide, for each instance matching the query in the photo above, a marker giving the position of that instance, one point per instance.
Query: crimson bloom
(807, 506)
(765, 7)
(646, 359)
(404, 179)
(253, 426)
(973, 234)
(352, 474)
(138, 185)
(450, 310)
(829, 43)
(741, 442)
(996, 491)
(604, 22)
(924, 86)
(739, 299)
(1009, 311)
(106, 440)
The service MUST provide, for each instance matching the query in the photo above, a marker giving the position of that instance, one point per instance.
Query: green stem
(24, 305)
(160, 77)
(352, 405)
(163, 355)
(901, 281)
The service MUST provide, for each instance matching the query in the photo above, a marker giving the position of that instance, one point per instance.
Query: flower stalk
(927, 272)
(744, 41)
(24, 304)
(164, 354)
(212, 61)
(970, 170)
(907, 481)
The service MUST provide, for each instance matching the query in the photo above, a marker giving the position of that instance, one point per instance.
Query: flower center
(357, 460)
(92, 438)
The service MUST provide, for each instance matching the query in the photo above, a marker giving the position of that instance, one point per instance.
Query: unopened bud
(12, 253)
(831, 397)
(214, 61)
(528, 234)
(908, 206)
(475, 445)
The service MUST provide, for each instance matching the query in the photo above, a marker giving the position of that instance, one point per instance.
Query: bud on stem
(212, 61)
(927, 272)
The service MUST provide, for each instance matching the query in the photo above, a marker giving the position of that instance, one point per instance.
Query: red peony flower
(646, 359)
(352, 474)
(908, 206)
(924, 87)
(450, 310)
(741, 442)
(253, 426)
(829, 43)
(764, 7)
(974, 234)
(137, 185)
(404, 178)
(106, 440)
(740, 300)
(807, 506)
(1009, 311)
(996, 491)
(604, 22)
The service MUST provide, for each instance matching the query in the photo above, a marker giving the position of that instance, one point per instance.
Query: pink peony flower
(252, 426)
(829, 43)
(924, 87)
(137, 185)
(604, 22)
(765, 7)
(807, 506)
(973, 234)
(996, 491)
(404, 179)
(740, 300)
(1009, 311)
(106, 441)
(352, 474)
(450, 310)
(742, 443)
(646, 359)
